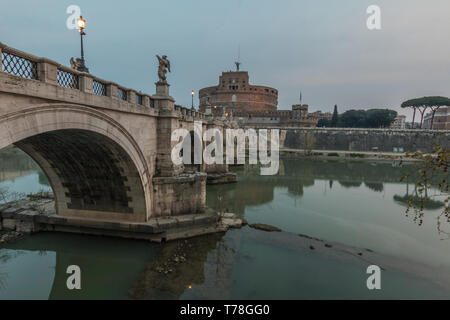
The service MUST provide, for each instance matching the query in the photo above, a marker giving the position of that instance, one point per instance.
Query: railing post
(131, 96)
(1, 56)
(146, 100)
(111, 90)
(47, 71)
(86, 82)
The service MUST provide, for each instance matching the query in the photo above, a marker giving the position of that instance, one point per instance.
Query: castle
(234, 97)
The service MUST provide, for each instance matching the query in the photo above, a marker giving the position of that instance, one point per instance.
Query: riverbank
(346, 155)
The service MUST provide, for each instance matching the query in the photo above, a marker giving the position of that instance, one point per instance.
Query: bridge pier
(175, 192)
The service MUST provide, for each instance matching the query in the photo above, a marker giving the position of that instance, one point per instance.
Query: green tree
(422, 104)
(353, 119)
(373, 118)
(335, 118)
(323, 123)
(379, 118)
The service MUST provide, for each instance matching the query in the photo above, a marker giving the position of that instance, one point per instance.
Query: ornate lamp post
(81, 25)
(192, 94)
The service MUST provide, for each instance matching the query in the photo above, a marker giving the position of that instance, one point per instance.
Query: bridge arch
(94, 165)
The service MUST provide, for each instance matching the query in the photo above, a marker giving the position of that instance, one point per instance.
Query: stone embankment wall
(385, 140)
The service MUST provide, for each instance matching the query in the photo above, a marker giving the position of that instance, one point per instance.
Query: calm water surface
(354, 203)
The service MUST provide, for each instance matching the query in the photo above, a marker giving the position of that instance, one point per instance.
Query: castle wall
(236, 94)
(385, 140)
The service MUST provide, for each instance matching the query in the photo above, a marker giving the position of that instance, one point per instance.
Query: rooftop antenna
(238, 62)
(300, 97)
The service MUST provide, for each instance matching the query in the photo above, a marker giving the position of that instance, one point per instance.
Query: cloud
(322, 48)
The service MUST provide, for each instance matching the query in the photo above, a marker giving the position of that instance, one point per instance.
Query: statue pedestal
(168, 121)
(162, 89)
(162, 98)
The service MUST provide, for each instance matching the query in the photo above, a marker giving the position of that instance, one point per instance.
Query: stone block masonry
(384, 140)
(31, 216)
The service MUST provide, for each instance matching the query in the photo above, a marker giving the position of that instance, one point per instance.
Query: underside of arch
(94, 166)
(91, 175)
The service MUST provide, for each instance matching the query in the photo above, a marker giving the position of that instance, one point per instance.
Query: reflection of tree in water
(375, 186)
(5, 256)
(416, 200)
(296, 178)
(350, 184)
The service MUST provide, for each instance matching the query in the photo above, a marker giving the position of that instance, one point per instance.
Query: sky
(321, 48)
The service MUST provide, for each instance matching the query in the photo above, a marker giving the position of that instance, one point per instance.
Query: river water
(354, 204)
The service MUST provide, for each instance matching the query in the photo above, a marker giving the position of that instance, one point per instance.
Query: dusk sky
(322, 48)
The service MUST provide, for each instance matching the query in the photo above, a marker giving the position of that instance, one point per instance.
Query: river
(354, 207)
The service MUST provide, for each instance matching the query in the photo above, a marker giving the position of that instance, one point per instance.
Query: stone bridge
(104, 148)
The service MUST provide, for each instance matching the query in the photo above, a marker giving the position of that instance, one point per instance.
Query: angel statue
(74, 64)
(164, 66)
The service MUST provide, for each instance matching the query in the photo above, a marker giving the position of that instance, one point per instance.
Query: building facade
(441, 119)
(234, 97)
(234, 93)
(399, 122)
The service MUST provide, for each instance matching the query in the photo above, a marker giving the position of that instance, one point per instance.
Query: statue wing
(159, 58)
(168, 65)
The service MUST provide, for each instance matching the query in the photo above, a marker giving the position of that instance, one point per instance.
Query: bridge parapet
(28, 66)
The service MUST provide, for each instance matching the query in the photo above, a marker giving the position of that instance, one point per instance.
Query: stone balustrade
(28, 66)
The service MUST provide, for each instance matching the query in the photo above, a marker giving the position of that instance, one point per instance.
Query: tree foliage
(335, 117)
(422, 104)
(373, 118)
(433, 173)
(324, 122)
(427, 101)
(353, 119)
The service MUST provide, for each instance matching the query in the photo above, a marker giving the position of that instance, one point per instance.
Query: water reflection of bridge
(117, 269)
